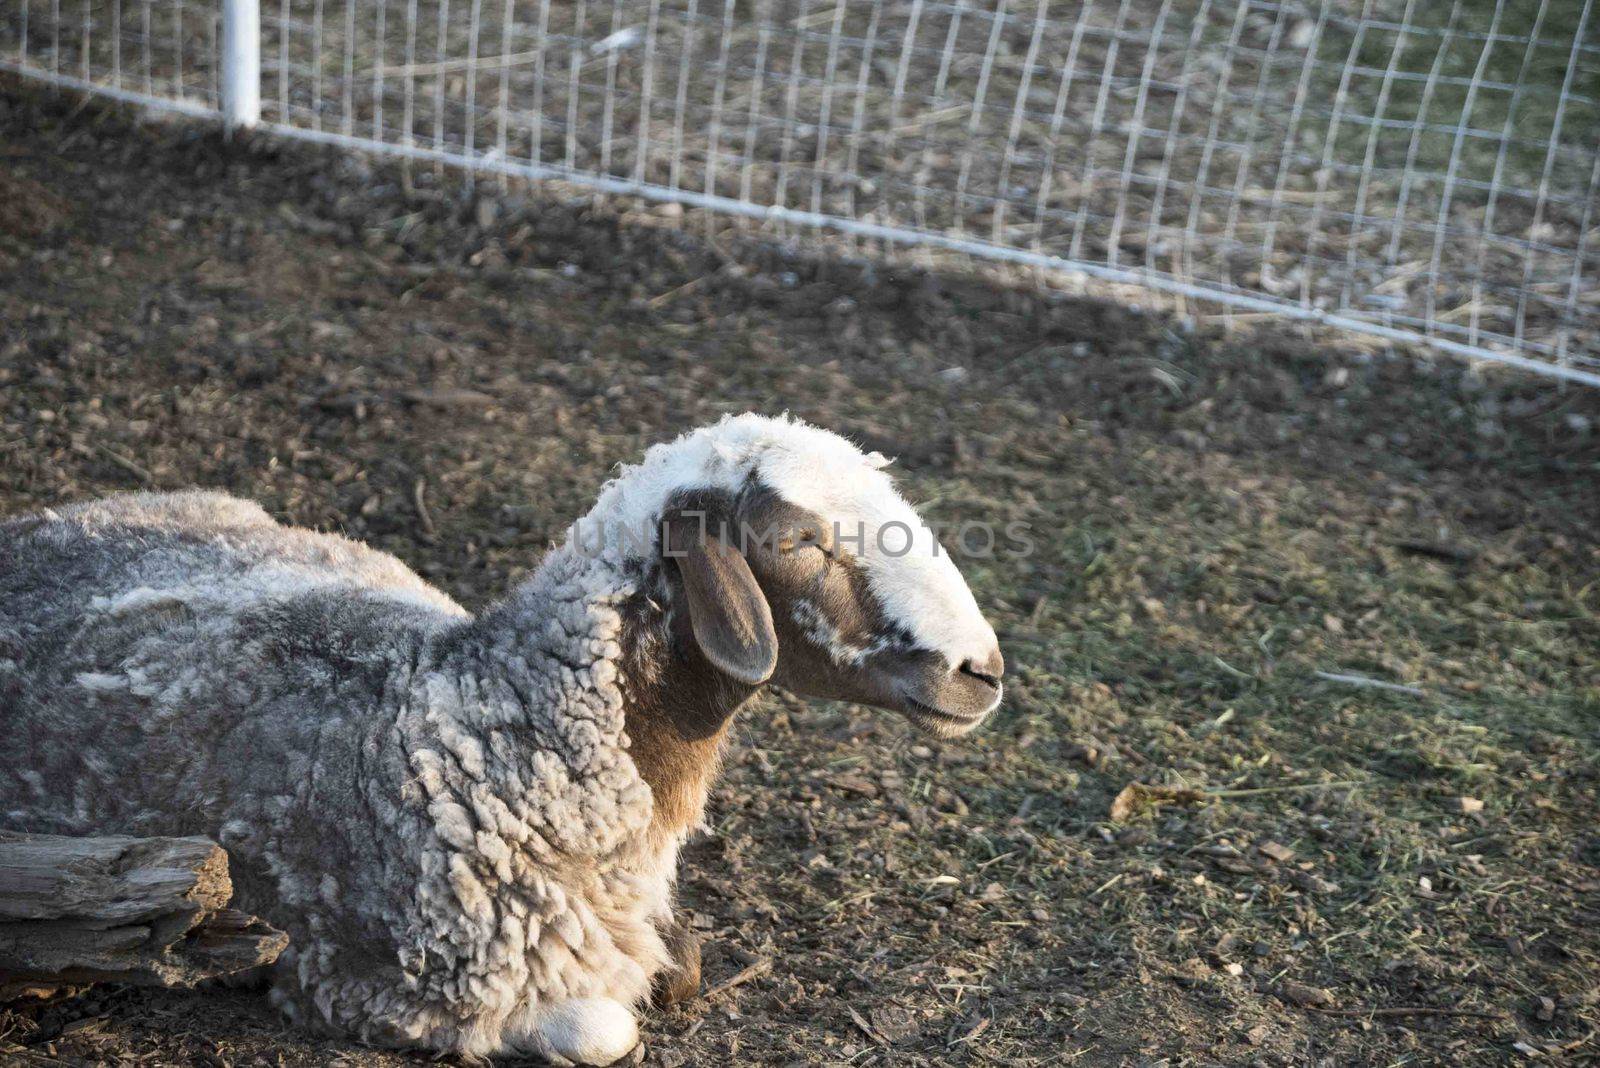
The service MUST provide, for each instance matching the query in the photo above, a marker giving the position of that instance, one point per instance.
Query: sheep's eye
(804, 539)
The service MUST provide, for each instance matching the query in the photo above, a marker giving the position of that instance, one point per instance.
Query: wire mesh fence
(1411, 169)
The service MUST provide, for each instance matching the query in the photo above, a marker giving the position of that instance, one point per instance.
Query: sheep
(469, 825)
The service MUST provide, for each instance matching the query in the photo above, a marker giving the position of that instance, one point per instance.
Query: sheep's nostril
(989, 669)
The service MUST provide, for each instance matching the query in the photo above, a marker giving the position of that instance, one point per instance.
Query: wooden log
(147, 911)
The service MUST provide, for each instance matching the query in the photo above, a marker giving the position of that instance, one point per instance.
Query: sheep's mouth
(941, 721)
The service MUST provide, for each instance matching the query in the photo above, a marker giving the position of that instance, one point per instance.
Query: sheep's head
(798, 562)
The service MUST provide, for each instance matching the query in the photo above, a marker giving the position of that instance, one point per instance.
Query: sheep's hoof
(632, 1059)
(590, 1032)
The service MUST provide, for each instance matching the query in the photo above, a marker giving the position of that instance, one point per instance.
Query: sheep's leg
(582, 1031)
(680, 980)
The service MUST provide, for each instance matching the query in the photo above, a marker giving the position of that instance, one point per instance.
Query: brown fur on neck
(677, 708)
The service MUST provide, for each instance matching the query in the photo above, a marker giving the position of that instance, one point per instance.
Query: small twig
(1107, 885)
(418, 498)
(1244, 317)
(744, 975)
(128, 465)
(1453, 553)
(448, 66)
(1375, 684)
(1410, 1010)
(977, 1029)
(662, 298)
(1576, 1043)
(866, 1028)
(1252, 791)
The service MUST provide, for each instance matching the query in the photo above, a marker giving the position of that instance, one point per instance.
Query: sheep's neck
(676, 705)
(677, 709)
(679, 771)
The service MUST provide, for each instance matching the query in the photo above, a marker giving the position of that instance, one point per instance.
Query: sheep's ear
(732, 623)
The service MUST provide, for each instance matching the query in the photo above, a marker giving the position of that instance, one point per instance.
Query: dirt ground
(1344, 874)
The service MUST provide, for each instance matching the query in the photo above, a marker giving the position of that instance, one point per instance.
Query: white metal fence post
(241, 63)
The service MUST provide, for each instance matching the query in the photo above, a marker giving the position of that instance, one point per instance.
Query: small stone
(1277, 851)
(1470, 805)
(855, 784)
(1306, 997)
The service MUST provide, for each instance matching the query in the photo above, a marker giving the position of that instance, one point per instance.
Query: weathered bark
(148, 911)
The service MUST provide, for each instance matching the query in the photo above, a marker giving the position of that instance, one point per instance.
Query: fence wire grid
(1424, 170)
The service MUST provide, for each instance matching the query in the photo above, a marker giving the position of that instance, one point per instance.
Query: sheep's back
(161, 654)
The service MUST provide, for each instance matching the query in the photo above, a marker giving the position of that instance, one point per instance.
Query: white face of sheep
(831, 586)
